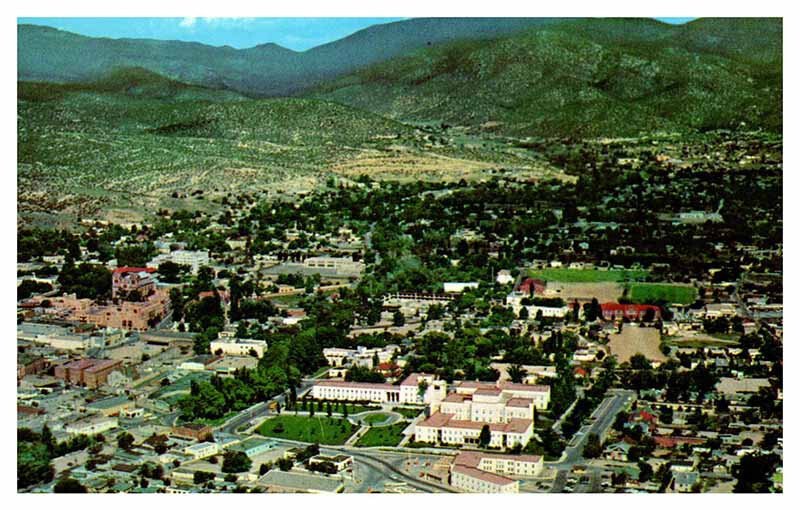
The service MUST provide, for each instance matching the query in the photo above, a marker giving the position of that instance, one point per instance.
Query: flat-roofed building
(474, 480)
(239, 346)
(442, 428)
(202, 450)
(92, 425)
(415, 389)
(539, 394)
(289, 481)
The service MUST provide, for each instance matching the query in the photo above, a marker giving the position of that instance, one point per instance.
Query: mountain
(588, 77)
(50, 55)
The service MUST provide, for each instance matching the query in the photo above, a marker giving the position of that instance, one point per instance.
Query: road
(600, 422)
(261, 410)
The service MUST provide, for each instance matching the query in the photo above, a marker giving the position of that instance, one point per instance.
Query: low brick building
(88, 372)
(196, 431)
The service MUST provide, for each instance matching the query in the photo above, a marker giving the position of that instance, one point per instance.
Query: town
(617, 331)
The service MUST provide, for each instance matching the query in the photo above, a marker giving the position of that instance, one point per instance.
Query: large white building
(345, 265)
(539, 394)
(415, 389)
(360, 356)
(482, 472)
(238, 346)
(193, 259)
(440, 428)
(92, 425)
(459, 287)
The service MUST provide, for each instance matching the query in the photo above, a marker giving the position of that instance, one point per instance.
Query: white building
(459, 287)
(193, 259)
(201, 450)
(470, 479)
(446, 429)
(415, 389)
(360, 356)
(487, 405)
(482, 472)
(92, 425)
(238, 346)
(339, 264)
(504, 277)
(539, 394)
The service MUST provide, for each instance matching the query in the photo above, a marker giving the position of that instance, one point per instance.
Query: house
(617, 451)
(683, 481)
(340, 462)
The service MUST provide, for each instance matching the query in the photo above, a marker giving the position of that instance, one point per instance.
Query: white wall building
(442, 428)
(539, 394)
(92, 425)
(482, 472)
(504, 277)
(202, 450)
(238, 346)
(193, 259)
(459, 287)
(408, 392)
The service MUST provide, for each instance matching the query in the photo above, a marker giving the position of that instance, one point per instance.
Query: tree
(69, 485)
(485, 437)
(524, 314)
(645, 471)
(593, 449)
(398, 319)
(328, 409)
(235, 462)
(125, 440)
(517, 373)
(754, 471)
(639, 362)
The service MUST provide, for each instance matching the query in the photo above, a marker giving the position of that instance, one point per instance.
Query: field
(653, 292)
(408, 413)
(319, 429)
(568, 291)
(373, 419)
(383, 436)
(635, 340)
(587, 275)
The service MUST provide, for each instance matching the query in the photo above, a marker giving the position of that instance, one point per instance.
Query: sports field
(557, 274)
(670, 293)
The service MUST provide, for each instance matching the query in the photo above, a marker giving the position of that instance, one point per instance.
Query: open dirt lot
(633, 340)
(584, 291)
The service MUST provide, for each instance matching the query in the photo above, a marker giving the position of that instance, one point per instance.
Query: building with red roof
(612, 311)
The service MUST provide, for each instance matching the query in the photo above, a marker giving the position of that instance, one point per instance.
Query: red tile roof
(128, 269)
(483, 475)
(519, 402)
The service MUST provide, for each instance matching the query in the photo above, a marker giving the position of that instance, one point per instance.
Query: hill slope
(586, 78)
(47, 54)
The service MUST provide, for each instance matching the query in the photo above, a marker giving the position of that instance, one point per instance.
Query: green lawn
(319, 429)
(372, 419)
(587, 275)
(652, 292)
(408, 413)
(383, 436)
